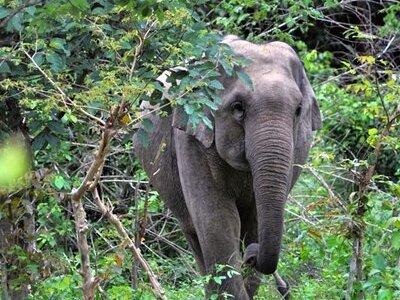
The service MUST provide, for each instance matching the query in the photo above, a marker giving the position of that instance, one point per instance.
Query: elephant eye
(238, 110)
(298, 110)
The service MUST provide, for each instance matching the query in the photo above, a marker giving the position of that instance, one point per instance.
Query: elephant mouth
(240, 166)
(239, 163)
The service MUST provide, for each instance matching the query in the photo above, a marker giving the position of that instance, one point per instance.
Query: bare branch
(157, 289)
(81, 227)
(95, 166)
(89, 182)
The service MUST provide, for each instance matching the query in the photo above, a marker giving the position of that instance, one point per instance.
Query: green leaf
(52, 242)
(146, 10)
(4, 68)
(59, 182)
(53, 141)
(216, 85)
(218, 279)
(38, 142)
(56, 127)
(227, 67)
(73, 118)
(148, 125)
(289, 21)
(396, 240)
(217, 99)
(143, 137)
(207, 122)
(210, 104)
(395, 221)
(379, 262)
(56, 62)
(15, 24)
(33, 268)
(31, 10)
(98, 11)
(232, 273)
(38, 58)
(385, 294)
(68, 117)
(57, 43)
(189, 109)
(372, 131)
(245, 79)
(80, 4)
(125, 45)
(3, 12)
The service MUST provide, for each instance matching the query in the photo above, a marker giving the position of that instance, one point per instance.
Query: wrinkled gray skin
(228, 186)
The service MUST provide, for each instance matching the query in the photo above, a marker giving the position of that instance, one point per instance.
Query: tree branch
(81, 227)
(89, 182)
(157, 289)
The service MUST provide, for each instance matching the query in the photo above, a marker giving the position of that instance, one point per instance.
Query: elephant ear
(202, 133)
(310, 102)
(180, 119)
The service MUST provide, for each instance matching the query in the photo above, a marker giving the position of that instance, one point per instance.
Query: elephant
(227, 186)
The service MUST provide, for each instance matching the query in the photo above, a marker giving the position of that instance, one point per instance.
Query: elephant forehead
(279, 49)
(275, 86)
(268, 87)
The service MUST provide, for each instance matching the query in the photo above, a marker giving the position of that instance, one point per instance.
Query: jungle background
(75, 206)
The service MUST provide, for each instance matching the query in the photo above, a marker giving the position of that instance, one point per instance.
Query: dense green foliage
(65, 63)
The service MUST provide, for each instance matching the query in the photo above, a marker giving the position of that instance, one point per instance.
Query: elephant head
(265, 130)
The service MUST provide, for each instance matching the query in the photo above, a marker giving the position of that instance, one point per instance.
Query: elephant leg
(194, 244)
(248, 236)
(215, 218)
(166, 182)
(176, 204)
(220, 247)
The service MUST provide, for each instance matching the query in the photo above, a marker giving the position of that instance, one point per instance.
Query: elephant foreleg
(215, 218)
(194, 244)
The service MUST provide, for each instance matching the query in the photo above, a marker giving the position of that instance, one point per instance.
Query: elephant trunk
(270, 157)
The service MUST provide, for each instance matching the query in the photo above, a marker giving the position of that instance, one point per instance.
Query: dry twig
(157, 289)
(90, 180)
(89, 282)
